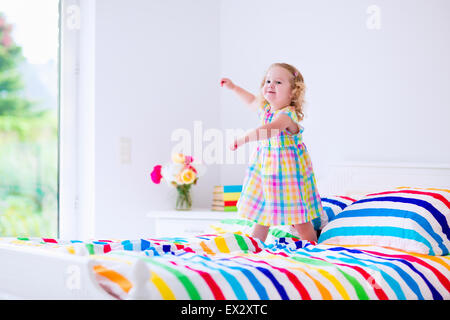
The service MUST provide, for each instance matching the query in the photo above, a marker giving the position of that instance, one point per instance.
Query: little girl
(279, 187)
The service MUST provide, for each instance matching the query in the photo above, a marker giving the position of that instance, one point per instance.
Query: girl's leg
(260, 232)
(306, 231)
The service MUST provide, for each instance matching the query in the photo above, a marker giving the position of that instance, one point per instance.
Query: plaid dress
(279, 187)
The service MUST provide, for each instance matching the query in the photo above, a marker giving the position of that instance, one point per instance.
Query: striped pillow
(409, 219)
(332, 206)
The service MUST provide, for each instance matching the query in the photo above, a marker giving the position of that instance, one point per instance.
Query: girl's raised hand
(227, 83)
(237, 143)
(234, 146)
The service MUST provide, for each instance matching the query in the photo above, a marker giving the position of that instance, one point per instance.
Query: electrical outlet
(125, 150)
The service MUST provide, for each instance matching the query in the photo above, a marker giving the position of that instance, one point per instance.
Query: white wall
(373, 95)
(157, 65)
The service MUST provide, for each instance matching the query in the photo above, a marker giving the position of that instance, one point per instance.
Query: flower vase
(184, 200)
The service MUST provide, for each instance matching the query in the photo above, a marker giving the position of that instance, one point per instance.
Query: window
(29, 115)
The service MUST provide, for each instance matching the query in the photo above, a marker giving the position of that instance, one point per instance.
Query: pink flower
(156, 174)
(188, 159)
(192, 168)
(6, 41)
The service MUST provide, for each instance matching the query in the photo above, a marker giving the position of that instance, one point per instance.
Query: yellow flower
(178, 158)
(188, 176)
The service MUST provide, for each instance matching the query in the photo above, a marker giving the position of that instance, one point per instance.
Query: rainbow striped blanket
(235, 266)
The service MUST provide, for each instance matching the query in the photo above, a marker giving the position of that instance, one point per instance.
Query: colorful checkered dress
(279, 187)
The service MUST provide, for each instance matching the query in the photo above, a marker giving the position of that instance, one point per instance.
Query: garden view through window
(29, 77)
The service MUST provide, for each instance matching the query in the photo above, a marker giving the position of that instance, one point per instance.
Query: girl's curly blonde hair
(297, 85)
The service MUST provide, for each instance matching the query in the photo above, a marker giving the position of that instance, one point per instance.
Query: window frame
(76, 174)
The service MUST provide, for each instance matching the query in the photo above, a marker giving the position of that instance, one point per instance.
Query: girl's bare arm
(263, 132)
(248, 98)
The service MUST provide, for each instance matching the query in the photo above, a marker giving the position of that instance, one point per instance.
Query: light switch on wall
(125, 150)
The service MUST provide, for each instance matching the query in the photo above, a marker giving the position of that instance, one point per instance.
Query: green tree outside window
(28, 151)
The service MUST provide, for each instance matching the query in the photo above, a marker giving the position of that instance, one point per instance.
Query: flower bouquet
(181, 173)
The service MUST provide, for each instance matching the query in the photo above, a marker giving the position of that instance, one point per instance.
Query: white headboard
(364, 177)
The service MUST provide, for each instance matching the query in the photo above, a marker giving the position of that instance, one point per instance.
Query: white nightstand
(172, 223)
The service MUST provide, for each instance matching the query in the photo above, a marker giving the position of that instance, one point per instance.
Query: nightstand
(173, 223)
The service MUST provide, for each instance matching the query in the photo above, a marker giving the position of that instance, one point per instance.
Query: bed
(385, 236)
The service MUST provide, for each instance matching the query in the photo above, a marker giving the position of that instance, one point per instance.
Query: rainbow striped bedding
(235, 266)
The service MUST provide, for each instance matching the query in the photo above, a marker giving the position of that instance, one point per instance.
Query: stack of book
(225, 198)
